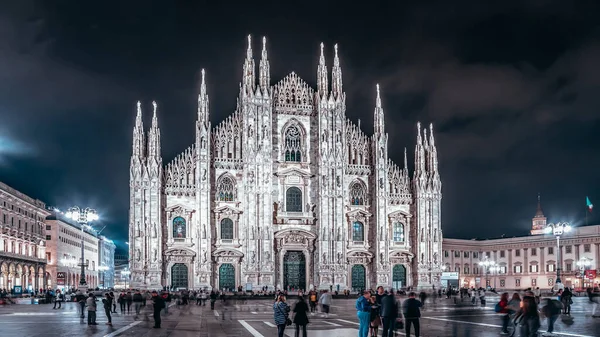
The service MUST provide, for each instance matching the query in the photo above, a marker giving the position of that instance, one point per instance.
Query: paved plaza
(255, 318)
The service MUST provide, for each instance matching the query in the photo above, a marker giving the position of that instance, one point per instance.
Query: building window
(488, 254)
(501, 253)
(225, 189)
(550, 267)
(456, 253)
(518, 269)
(586, 248)
(446, 254)
(550, 282)
(179, 229)
(398, 232)
(466, 254)
(568, 266)
(533, 268)
(517, 252)
(357, 194)
(503, 270)
(475, 270)
(293, 144)
(466, 269)
(49, 257)
(457, 269)
(293, 200)
(227, 229)
(475, 255)
(533, 252)
(358, 231)
(502, 283)
(568, 249)
(48, 227)
(533, 282)
(48, 237)
(517, 282)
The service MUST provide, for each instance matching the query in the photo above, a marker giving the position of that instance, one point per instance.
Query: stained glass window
(357, 194)
(358, 231)
(293, 200)
(293, 144)
(398, 233)
(226, 229)
(179, 227)
(225, 189)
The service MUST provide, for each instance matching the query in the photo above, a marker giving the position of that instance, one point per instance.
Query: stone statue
(138, 254)
(154, 231)
(155, 255)
(204, 259)
(204, 231)
(339, 258)
(339, 234)
(253, 257)
(266, 233)
(252, 233)
(381, 234)
(381, 258)
(203, 174)
(139, 229)
(324, 258)
(267, 255)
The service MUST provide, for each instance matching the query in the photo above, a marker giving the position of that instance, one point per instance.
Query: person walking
(91, 308)
(138, 300)
(502, 308)
(389, 314)
(551, 310)
(375, 320)
(213, 299)
(114, 302)
(81, 301)
(412, 313)
(300, 316)
(129, 301)
(312, 299)
(158, 304)
(281, 313)
(325, 301)
(567, 299)
(57, 299)
(528, 317)
(122, 302)
(363, 312)
(107, 302)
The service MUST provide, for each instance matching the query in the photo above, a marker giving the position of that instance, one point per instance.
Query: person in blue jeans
(363, 311)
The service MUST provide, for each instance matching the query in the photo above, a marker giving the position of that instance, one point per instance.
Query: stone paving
(255, 318)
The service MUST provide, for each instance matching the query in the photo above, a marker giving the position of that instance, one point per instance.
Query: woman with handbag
(281, 312)
(300, 316)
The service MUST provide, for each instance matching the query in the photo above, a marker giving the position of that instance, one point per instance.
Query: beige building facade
(22, 240)
(528, 261)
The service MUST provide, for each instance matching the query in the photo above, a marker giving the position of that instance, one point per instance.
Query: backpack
(313, 298)
(497, 308)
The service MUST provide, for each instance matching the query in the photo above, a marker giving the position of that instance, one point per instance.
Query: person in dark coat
(389, 313)
(300, 316)
(159, 304)
(412, 314)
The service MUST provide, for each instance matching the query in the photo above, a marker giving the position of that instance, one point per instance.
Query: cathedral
(285, 193)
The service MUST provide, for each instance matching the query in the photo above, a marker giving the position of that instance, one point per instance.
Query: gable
(293, 95)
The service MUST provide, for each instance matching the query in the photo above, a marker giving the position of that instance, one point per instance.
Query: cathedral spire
(539, 212)
(336, 75)
(139, 146)
(405, 160)
(154, 135)
(433, 161)
(322, 75)
(265, 72)
(248, 79)
(420, 173)
(379, 122)
(203, 101)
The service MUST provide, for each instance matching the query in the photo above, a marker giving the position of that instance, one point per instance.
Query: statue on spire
(265, 72)
(322, 81)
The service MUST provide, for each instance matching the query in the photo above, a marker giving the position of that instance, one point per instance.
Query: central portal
(294, 270)
(179, 276)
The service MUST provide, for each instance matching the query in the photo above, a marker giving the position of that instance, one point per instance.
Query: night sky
(513, 90)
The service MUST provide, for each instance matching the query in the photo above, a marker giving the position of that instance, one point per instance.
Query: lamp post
(495, 270)
(487, 263)
(126, 273)
(584, 263)
(103, 269)
(83, 217)
(558, 229)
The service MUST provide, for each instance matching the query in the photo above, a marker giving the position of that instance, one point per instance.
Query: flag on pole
(589, 204)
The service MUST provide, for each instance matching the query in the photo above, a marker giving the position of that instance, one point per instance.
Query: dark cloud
(510, 86)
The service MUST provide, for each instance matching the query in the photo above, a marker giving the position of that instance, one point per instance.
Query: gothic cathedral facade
(285, 193)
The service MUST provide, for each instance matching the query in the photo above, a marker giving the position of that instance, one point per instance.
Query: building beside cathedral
(286, 193)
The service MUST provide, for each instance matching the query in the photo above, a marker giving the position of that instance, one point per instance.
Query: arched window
(357, 194)
(226, 229)
(293, 200)
(398, 233)
(179, 227)
(293, 144)
(225, 189)
(358, 231)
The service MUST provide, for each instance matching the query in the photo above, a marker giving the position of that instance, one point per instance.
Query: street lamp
(584, 263)
(487, 263)
(83, 217)
(103, 269)
(126, 273)
(558, 229)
